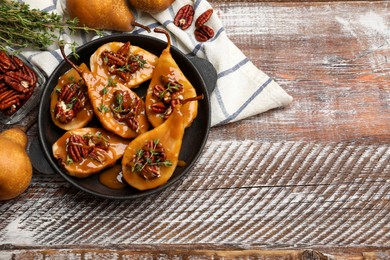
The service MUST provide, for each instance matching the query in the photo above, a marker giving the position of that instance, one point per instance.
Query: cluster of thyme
(22, 27)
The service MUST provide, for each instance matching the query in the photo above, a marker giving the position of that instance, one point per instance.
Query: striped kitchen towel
(242, 89)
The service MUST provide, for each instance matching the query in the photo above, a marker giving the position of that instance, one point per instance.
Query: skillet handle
(37, 157)
(207, 70)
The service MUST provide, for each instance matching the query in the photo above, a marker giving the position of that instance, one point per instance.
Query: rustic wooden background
(308, 181)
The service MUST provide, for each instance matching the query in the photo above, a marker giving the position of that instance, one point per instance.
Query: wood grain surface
(308, 181)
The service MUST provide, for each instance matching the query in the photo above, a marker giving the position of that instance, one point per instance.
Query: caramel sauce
(113, 178)
(95, 89)
(168, 67)
(83, 116)
(170, 135)
(138, 77)
(181, 163)
(88, 166)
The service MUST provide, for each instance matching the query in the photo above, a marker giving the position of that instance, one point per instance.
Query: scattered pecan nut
(184, 17)
(204, 33)
(203, 18)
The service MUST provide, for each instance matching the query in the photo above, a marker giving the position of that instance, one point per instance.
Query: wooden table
(308, 181)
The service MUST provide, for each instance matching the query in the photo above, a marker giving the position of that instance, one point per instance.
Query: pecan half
(204, 33)
(132, 122)
(158, 90)
(203, 18)
(77, 148)
(158, 108)
(184, 17)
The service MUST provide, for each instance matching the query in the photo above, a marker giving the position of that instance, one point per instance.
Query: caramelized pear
(70, 107)
(118, 109)
(167, 87)
(150, 159)
(125, 63)
(85, 151)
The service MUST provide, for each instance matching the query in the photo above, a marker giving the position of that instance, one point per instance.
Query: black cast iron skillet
(199, 72)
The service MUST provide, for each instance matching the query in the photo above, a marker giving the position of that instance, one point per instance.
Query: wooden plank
(185, 252)
(285, 193)
(313, 174)
(168, 253)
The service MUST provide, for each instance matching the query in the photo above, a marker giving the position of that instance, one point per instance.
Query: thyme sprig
(22, 27)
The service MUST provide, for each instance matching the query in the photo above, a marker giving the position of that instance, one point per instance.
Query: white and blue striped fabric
(242, 89)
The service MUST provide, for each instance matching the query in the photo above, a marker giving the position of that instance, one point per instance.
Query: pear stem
(158, 30)
(200, 97)
(74, 66)
(146, 28)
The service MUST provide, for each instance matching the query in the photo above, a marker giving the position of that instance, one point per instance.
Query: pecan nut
(204, 33)
(6, 63)
(10, 98)
(148, 161)
(88, 146)
(17, 82)
(71, 100)
(158, 108)
(184, 17)
(76, 148)
(158, 90)
(203, 18)
(62, 115)
(123, 63)
(126, 109)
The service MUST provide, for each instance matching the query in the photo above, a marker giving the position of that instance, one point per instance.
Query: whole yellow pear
(102, 14)
(151, 6)
(17, 135)
(15, 165)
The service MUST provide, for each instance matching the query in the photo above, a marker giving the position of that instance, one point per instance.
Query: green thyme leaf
(103, 108)
(111, 82)
(167, 163)
(69, 160)
(22, 27)
(105, 90)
